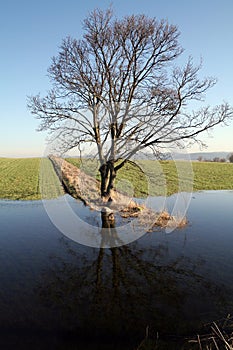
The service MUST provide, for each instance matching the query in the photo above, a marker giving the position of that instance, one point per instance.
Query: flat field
(213, 176)
(35, 178)
(165, 177)
(26, 178)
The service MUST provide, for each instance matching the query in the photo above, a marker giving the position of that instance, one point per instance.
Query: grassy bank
(166, 177)
(21, 179)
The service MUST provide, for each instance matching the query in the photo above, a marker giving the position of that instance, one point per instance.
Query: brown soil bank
(82, 186)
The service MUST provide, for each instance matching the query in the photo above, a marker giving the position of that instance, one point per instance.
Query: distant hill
(178, 156)
(185, 156)
(209, 155)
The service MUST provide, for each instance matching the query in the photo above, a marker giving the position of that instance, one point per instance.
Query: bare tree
(117, 88)
(230, 157)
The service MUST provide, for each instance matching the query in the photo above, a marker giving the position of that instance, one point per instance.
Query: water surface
(58, 294)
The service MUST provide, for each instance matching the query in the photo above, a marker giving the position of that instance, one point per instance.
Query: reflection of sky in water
(188, 272)
(85, 227)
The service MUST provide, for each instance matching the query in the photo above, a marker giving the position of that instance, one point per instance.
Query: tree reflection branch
(122, 290)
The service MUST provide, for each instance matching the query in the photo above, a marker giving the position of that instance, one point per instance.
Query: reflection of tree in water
(119, 291)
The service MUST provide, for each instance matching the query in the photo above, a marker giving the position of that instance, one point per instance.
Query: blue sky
(31, 32)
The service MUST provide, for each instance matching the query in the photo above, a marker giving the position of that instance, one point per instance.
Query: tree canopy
(118, 87)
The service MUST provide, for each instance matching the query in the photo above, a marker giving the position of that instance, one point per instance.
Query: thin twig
(199, 342)
(220, 335)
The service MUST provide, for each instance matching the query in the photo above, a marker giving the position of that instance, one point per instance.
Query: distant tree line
(217, 159)
(230, 157)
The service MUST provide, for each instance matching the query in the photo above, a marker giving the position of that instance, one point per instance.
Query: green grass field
(26, 178)
(166, 177)
(213, 176)
(34, 178)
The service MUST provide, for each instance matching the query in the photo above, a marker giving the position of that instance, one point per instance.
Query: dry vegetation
(87, 188)
(215, 336)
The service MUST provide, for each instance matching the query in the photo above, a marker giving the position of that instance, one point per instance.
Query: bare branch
(117, 87)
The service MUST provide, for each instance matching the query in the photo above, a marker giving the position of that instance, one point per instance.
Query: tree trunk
(104, 178)
(112, 176)
(108, 175)
(109, 233)
(108, 220)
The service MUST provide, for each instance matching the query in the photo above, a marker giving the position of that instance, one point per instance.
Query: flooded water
(58, 294)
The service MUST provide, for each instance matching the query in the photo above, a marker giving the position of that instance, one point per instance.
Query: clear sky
(31, 32)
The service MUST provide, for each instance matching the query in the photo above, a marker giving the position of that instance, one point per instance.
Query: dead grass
(219, 336)
(160, 219)
(85, 187)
